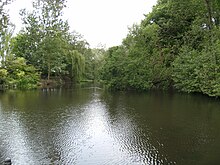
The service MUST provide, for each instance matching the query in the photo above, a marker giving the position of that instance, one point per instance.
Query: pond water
(89, 126)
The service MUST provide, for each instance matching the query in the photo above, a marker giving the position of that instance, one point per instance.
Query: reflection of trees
(56, 126)
(86, 140)
(135, 140)
(161, 127)
(33, 120)
(13, 139)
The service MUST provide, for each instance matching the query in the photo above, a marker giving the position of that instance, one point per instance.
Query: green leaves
(46, 42)
(198, 71)
(6, 30)
(173, 46)
(17, 73)
(76, 63)
(186, 71)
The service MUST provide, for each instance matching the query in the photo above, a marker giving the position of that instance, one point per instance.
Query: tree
(75, 65)
(95, 62)
(17, 74)
(6, 30)
(43, 41)
(52, 52)
(176, 45)
(47, 44)
(20, 75)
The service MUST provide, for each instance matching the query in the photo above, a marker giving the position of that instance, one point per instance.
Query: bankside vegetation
(44, 49)
(177, 46)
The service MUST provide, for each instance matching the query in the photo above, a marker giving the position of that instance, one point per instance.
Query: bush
(18, 74)
(198, 71)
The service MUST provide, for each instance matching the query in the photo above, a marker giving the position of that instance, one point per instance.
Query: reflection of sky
(85, 128)
(132, 139)
(22, 137)
(85, 138)
(13, 140)
(93, 137)
(86, 133)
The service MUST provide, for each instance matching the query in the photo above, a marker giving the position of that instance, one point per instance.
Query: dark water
(87, 126)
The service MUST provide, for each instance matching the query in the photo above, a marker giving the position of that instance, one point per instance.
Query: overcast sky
(99, 21)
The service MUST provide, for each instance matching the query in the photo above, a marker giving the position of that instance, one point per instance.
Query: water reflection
(134, 139)
(27, 138)
(172, 128)
(90, 126)
(15, 145)
(85, 138)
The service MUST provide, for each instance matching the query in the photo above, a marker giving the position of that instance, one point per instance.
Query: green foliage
(137, 64)
(198, 71)
(26, 45)
(3, 75)
(47, 44)
(52, 51)
(176, 45)
(93, 62)
(6, 30)
(18, 74)
(113, 71)
(76, 65)
(186, 71)
(13, 71)
(44, 46)
(43, 42)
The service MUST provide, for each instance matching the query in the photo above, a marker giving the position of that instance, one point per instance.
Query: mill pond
(87, 125)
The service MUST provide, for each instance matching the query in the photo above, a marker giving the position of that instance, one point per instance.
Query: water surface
(90, 126)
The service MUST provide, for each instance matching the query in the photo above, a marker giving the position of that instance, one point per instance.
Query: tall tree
(44, 39)
(46, 42)
(6, 30)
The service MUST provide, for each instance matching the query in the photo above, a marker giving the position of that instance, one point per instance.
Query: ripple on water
(84, 128)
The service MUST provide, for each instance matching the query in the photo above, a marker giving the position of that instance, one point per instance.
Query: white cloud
(100, 21)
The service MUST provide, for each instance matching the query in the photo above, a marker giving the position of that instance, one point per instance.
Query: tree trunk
(48, 72)
(209, 9)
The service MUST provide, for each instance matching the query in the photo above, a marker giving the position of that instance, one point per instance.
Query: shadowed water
(90, 126)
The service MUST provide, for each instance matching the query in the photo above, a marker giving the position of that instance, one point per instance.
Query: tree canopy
(175, 46)
(45, 43)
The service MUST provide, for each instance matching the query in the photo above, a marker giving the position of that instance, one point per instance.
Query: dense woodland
(176, 46)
